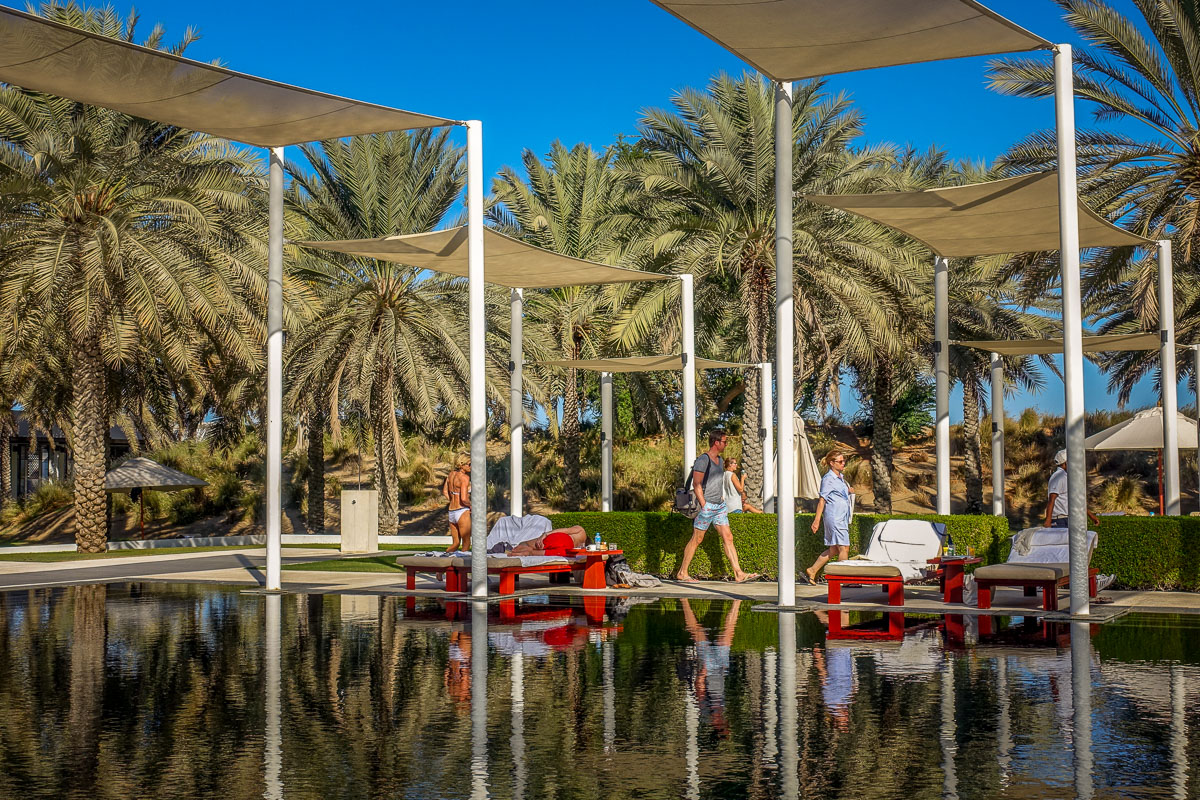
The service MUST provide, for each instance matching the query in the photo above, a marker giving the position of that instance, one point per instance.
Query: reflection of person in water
(838, 679)
(712, 662)
(458, 669)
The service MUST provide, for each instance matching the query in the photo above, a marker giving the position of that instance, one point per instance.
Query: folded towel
(526, 561)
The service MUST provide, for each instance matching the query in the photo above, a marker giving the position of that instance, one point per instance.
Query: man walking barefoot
(708, 483)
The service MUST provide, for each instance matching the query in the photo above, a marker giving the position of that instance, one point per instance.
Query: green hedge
(653, 541)
(1142, 552)
(1150, 552)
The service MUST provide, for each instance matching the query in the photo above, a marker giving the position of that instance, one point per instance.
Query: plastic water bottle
(596, 539)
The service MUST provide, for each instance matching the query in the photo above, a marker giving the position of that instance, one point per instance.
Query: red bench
(1031, 577)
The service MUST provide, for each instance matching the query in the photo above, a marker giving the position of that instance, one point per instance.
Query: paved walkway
(245, 568)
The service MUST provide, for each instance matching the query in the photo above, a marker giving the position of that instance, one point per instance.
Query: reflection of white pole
(606, 441)
(518, 726)
(516, 406)
(785, 331)
(1081, 706)
(770, 712)
(274, 368)
(478, 382)
(789, 748)
(273, 677)
(941, 373)
(949, 734)
(1179, 737)
(1170, 401)
(691, 754)
(997, 435)
(688, 313)
(479, 645)
(1072, 319)
(1004, 724)
(610, 697)
(766, 411)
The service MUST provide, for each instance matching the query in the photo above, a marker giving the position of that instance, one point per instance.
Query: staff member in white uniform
(1056, 495)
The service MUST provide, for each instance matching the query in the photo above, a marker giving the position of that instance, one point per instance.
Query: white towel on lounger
(526, 561)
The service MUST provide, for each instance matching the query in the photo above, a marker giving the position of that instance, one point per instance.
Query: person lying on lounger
(554, 543)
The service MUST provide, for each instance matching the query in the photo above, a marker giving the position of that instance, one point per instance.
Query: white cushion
(905, 540)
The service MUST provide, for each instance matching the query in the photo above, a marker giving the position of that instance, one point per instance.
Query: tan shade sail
(45, 56)
(640, 364)
(1109, 343)
(507, 261)
(1014, 215)
(793, 39)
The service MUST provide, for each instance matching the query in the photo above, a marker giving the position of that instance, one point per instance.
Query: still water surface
(148, 690)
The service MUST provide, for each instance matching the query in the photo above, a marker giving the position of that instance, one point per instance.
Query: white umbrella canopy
(148, 475)
(806, 475)
(1144, 431)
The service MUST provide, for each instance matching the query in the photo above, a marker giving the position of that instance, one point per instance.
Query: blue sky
(538, 71)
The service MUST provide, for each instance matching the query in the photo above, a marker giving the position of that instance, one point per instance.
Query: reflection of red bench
(1031, 577)
(869, 630)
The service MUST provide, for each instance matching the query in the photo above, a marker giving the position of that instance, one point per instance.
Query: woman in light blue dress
(835, 506)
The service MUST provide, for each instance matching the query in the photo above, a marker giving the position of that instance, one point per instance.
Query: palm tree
(565, 204)
(704, 202)
(390, 337)
(1148, 182)
(121, 236)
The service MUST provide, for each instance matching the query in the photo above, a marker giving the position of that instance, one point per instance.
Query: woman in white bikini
(457, 489)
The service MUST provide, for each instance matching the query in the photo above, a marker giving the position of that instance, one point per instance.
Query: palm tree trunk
(385, 459)
(570, 433)
(6, 434)
(757, 408)
(881, 439)
(972, 458)
(315, 519)
(89, 429)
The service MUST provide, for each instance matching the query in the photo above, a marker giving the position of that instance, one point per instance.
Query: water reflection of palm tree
(712, 662)
(88, 645)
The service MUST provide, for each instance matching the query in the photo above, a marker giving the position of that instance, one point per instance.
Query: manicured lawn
(70, 556)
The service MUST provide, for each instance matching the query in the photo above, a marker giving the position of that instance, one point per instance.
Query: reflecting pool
(151, 690)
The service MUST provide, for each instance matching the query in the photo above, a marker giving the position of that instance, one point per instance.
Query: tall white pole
(1072, 317)
(688, 313)
(1170, 399)
(997, 435)
(941, 372)
(516, 406)
(274, 368)
(606, 441)
(785, 501)
(478, 386)
(767, 411)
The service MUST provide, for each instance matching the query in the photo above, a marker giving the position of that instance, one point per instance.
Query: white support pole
(516, 406)
(274, 368)
(606, 441)
(688, 314)
(789, 717)
(478, 385)
(767, 410)
(997, 435)
(785, 330)
(941, 371)
(1072, 318)
(1170, 399)
(479, 696)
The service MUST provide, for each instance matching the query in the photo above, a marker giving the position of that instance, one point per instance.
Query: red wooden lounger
(1031, 577)
(441, 566)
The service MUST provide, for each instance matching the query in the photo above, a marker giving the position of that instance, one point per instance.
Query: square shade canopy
(507, 261)
(1014, 215)
(788, 40)
(639, 364)
(1107, 343)
(45, 56)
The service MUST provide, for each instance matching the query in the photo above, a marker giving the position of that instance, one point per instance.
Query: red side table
(952, 570)
(593, 570)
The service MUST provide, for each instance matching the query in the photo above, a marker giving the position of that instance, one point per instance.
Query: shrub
(654, 541)
(48, 496)
(1123, 494)
(1150, 552)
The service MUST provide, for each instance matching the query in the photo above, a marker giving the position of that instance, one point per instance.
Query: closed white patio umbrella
(806, 475)
(1144, 431)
